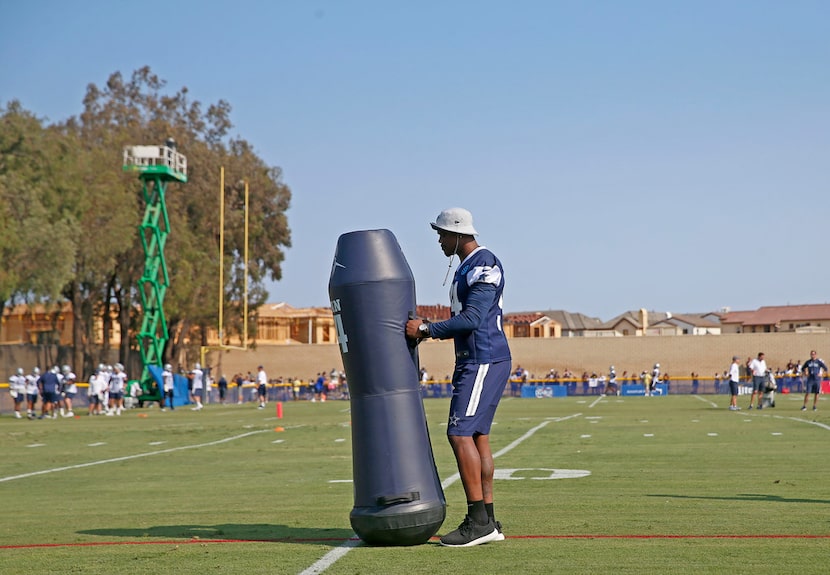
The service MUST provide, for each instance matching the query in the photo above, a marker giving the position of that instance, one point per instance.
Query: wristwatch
(423, 330)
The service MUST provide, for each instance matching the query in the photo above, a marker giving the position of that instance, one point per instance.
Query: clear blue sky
(615, 155)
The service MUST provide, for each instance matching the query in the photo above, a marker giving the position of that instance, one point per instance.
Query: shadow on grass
(750, 497)
(230, 531)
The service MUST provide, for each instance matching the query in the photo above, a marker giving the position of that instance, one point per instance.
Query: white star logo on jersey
(454, 419)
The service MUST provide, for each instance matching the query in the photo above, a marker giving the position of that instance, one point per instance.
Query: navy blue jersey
(49, 382)
(813, 368)
(476, 307)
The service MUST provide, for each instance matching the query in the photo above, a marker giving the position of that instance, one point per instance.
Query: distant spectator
(262, 387)
(239, 380)
(519, 372)
(734, 379)
(814, 368)
(320, 388)
(334, 378)
(758, 368)
(515, 385)
(223, 389)
(593, 383)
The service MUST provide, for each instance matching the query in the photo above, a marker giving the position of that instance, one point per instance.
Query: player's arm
(479, 300)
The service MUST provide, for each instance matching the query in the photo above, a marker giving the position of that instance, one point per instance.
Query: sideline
(332, 556)
(128, 457)
(328, 539)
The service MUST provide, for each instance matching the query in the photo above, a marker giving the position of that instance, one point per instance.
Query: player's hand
(412, 328)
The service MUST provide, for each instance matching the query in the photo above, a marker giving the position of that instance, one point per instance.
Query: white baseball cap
(455, 220)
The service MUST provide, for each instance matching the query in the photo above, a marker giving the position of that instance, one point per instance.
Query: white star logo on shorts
(454, 419)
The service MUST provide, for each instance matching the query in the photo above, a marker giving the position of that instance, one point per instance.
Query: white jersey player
(197, 378)
(32, 391)
(117, 386)
(95, 393)
(17, 389)
(70, 388)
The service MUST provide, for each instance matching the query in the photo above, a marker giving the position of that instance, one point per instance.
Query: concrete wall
(677, 355)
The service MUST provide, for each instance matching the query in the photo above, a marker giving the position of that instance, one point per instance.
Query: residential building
(533, 324)
(685, 324)
(41, 324)
(783, 318)
(282, 323)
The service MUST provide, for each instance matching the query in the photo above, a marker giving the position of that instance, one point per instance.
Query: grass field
(667, 485)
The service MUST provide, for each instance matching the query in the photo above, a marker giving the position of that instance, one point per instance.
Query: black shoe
(470, 533)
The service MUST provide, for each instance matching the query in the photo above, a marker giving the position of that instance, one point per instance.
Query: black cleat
(470, 533)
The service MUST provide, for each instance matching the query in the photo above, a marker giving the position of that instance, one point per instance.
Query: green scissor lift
(156, 166)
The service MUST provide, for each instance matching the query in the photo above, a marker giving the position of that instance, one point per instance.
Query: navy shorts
(116, 395)
(813, 386)
(477, 389)
(759, 382)
(49, 396)
(69, 394)
(733, 387)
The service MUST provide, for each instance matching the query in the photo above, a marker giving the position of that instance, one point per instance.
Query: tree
(36, 237)
(137, 112)
(78, 214)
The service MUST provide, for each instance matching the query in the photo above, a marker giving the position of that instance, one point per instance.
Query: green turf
(675, 485)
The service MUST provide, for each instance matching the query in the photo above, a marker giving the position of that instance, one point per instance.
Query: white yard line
(712, 403)
(332, 556)
(596, 401)
(128, 457)
(800, 420)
